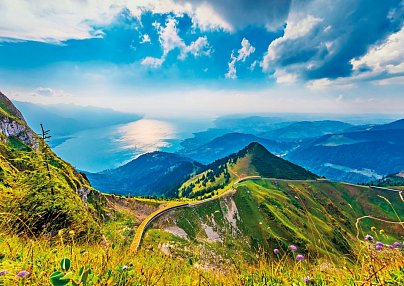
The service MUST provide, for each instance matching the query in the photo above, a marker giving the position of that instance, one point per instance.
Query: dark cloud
(242, 13)
(344, 30)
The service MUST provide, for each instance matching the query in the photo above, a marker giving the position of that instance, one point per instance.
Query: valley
(166, 212)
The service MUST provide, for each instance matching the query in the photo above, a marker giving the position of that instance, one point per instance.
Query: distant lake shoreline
(99, 149)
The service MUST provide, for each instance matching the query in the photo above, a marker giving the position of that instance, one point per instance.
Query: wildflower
(379, 247)
(60, 232)
(23, 273)
(71, 233)
(293, 247)
(379, 243)
(382, 231)
(390, 246)
(276, 251)
(125, 267)
(299, 257)
(368, 237)
(373, 228)
(396, 245)
(307, 279)
(3, 272)
(44, 226)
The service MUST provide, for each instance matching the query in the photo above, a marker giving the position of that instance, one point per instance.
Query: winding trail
(148, 220)
(143, 226)
(375, 218)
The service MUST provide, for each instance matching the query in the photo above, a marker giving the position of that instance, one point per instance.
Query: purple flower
(379, 243)
(293, 247)
(307, 279)
(23, 273)
(396, 245)
(44, 225)
(299, 257)
(368, 237)
(276, 251)
(3, 272)
(379, 247)
(390, 246)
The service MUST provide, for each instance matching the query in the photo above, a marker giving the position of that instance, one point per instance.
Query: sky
(187, 58)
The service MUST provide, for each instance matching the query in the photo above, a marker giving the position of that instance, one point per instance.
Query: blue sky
(206, 58)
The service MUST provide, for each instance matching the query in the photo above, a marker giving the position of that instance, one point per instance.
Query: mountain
(39, 191)
(65, 120)
(227, 144)
(152, 174)
(360, 156)
(253, 160)
(392, 180)
(306, 129)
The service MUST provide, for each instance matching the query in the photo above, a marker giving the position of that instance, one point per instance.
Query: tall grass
(111, 264)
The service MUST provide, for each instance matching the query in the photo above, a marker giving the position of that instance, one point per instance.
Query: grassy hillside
(323, 219)
(253, 160)
(39, 192)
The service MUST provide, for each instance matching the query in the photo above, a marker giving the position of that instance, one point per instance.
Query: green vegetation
(390, 181)
(56, 230)
(254, 160)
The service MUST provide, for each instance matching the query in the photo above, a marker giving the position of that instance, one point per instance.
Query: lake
(99, 149)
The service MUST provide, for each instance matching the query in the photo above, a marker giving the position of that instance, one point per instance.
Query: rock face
(10, 127)
(12, 124)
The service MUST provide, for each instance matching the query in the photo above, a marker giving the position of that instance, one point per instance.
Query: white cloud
(327, 84)
(385, 57)
(48, 92)
(58, 21)
(152, 62)
(232, 72)
(54, 21)
(296, 28)
(242, 54)
(283, 77)
(246, 50)
(170, 40)
(145, 39)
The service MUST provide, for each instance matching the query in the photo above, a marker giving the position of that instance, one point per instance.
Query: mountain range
(152, 174)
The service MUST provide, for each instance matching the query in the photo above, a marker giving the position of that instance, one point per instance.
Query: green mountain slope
(253, 160)
(323, 219)
(393, 180)
(39, 192)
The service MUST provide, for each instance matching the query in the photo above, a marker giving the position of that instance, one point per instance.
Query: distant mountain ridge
(229, 143)
(360, 156)
(151, 174)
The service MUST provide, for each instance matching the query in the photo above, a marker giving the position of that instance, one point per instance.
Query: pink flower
(299, 257)
(23, 273)
(293, 247)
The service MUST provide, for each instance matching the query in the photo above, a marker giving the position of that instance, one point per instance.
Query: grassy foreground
(110, 264)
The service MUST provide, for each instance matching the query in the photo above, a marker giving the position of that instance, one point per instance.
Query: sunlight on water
(147, 135)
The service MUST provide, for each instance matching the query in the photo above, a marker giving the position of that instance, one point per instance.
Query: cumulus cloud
(236, 14)
(145, 39)
(170, 40)
(242, 54)
(322, 38)
(47, 92)
(57, 21)
(385, 59)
